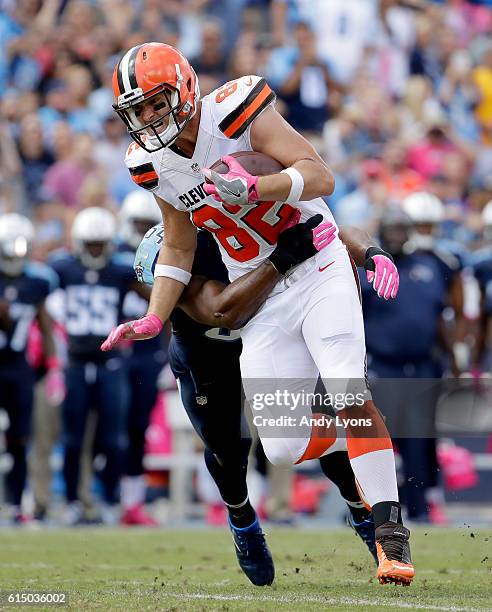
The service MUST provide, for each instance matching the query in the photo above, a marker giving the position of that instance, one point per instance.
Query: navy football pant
(16, 397)
(142, 380)
(102, 387)
(211, 393)
(407, 395)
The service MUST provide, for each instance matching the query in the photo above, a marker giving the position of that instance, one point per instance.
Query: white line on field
(334, 601)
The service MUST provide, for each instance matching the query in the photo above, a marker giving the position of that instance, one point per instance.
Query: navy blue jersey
(481, 262)
(459, 254)
(208, 263)
(406, 328)
(24, 294)
(93, 302)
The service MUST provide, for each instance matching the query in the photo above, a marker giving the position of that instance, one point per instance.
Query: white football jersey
(245, 235)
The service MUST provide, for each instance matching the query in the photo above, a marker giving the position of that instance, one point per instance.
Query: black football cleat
(252, 553)
(395, 562)
(365, 531)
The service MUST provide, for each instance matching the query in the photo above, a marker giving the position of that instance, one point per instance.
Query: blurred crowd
(396, 95)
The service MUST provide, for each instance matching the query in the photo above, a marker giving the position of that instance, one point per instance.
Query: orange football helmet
(146, 71)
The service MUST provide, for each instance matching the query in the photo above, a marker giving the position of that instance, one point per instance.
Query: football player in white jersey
(312, 320)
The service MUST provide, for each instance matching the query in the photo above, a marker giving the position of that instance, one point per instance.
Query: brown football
(257, 164)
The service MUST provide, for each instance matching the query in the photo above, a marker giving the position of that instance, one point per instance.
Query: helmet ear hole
(188, 84)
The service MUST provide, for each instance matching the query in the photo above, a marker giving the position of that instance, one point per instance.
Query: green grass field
(197, 570)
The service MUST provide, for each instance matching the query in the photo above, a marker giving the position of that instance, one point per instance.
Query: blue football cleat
(252, 553)
(365, 530)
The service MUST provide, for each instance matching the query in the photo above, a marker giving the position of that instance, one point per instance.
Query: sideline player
(206, 363)
(94, 282)
(143, 360)
(312, 322)
(24, 287)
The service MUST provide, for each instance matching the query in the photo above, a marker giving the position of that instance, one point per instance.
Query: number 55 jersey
(92, 302)
(245, 235)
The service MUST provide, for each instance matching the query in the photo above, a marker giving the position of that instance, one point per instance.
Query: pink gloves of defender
(382, 273)
(141, 329)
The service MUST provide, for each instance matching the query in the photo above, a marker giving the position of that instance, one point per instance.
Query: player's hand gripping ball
(237, 186)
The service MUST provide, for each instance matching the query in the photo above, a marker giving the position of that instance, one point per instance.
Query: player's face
(151, 110)
(425, 229)
(95, 248)
(393, 238)
(142, 226)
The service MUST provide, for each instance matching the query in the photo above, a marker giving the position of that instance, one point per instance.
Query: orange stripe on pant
(244, 116)
(321, 439)
(361, 446)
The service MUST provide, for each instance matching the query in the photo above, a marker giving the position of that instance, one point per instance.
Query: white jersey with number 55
(245, 235)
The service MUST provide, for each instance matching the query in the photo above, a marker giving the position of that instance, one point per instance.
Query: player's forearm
(318, 181)
(166, 291)
(480, 344)
(46, 329)
(238, 302)
(357, 242)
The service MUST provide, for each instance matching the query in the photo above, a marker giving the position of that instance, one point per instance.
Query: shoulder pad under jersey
(139, 163)
(237, 103)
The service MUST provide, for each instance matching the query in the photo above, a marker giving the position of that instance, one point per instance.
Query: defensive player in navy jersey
(212, 394)
(402, 337)
(143, 360)
(426, 211)
(481, 263)
(24, 287)
(95, 281)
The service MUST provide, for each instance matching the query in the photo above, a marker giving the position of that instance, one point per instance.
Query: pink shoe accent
(138, 516)
(216, 514)
(437, 515)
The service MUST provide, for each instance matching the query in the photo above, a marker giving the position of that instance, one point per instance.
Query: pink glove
(141, 329)
(384, 277)
(323, 235)
(55, 382)
(235, 187)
